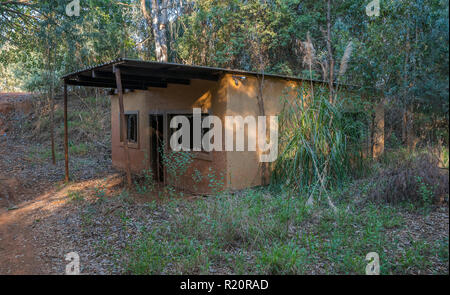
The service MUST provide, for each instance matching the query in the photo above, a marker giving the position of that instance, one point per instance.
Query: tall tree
(158, 20)
(330, 53)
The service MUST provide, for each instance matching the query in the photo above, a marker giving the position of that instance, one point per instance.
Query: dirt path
(17, 251)
(32, 240)
(35, 235)
(19, 248)
(49, 221)
(23, 248)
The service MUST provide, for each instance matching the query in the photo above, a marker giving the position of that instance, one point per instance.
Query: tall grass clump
(320, 144)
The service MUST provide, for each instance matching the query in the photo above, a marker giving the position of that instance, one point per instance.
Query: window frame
(201, 155)
(130, 144)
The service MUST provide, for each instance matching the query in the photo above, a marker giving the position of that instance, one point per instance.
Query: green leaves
(403, 52)
(319, 144)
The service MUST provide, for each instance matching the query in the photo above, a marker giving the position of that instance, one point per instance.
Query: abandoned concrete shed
(149, 94)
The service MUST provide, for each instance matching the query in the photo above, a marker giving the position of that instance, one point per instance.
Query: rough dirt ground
(31, 191)
(42, 219)
(50, 219)
(40, 196)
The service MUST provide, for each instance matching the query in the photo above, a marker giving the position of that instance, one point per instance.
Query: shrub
(319, 141)
(417, 180)
(176, 163)
(144, 182)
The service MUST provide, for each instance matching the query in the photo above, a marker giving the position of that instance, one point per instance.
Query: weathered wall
(210, 96)
(244, 169)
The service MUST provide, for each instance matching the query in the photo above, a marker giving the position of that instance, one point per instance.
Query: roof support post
(66, 136)
(123, 124)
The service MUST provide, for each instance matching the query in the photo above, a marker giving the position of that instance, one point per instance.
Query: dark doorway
(156, 146)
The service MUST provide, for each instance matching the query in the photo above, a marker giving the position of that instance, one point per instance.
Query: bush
(319, 141)
(417, 180)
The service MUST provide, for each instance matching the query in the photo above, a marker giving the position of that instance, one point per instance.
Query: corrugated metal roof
(176, 68)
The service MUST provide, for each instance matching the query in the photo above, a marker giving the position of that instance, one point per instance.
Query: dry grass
(417, 179)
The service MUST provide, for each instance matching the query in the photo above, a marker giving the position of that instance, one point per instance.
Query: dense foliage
(403, 52)
(320, 142)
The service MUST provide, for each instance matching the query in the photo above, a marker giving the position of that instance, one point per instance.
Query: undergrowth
(320, 142)
(414, 178)
(257, 232)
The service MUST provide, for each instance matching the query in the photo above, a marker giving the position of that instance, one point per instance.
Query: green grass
(40, 153)
(441, 248)
(445, 157)
(75, 196)
(257, 233)
(81, 149)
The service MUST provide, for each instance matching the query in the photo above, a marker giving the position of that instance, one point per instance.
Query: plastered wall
(243, 168)
(207, 95)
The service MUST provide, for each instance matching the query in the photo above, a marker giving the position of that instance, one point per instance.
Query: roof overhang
(136, 74)
(139, 74)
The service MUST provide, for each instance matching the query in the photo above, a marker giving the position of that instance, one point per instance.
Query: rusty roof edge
(112, 62)
(123, 60)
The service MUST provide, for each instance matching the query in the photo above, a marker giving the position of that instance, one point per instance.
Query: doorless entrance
(156, 146)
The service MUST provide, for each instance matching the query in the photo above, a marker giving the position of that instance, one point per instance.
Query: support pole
(123, 125)
(66, 136)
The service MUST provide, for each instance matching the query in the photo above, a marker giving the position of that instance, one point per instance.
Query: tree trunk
(378, 130)
(50, 95)
(406, 116)
(330, 53)
(158, 21)
(52, 123)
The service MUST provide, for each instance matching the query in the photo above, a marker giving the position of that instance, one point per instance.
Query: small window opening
(131, 128)
(191, 123)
